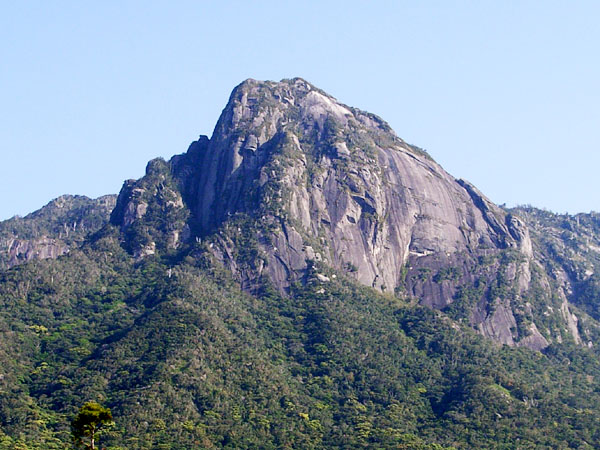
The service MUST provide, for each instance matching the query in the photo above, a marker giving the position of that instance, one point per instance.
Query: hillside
(51, 231)
(303, 278)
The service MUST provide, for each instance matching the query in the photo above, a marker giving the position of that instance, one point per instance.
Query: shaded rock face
(291, 179)
(20, 251)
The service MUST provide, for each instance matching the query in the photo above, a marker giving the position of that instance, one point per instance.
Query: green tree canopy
(85, 428)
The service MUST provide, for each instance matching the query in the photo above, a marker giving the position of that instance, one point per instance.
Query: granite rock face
(568, 249)
(151, 212)
(292, 179)
(23, 250)
(342, 177)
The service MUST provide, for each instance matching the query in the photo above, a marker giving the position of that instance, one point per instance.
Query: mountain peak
(290, 102)
(296, 83)
(314, 209)
(292, 179)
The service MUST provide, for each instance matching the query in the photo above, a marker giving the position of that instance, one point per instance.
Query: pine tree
(88, 423)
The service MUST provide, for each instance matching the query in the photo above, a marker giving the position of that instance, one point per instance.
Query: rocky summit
(305, 180)
(303, 278)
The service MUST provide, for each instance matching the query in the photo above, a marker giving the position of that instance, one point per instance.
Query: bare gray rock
(342, 177)
(291, 180)
(20, 251)
(334, 181)
(495, 325)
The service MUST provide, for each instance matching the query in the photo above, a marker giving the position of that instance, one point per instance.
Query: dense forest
(185, 359)
(302, 279)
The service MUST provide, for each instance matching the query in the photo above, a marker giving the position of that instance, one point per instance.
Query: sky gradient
(504, 94)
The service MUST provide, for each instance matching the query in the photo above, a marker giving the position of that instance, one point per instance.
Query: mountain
(303, 278)
(299, 179)
(52, 230)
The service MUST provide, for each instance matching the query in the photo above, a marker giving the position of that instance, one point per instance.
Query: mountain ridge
(53, 229)
(304, 279)
(301, 179)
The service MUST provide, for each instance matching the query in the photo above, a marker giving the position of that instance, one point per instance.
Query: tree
(86, 426)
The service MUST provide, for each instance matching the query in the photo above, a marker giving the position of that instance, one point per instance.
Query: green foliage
(188, 361)
(184, 359)
(88, 424)
(447, 273)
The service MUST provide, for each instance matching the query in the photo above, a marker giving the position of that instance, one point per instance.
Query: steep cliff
(568, 248)
(292, 179)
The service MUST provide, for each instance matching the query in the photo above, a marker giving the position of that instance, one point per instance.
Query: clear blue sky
(503, 93)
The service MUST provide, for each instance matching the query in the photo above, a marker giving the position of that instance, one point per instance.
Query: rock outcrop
(53, 230)
(291, 178)
(22, 250)
(151, 212)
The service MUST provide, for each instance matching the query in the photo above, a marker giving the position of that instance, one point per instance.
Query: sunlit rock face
(340, 177)
(291, 178)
